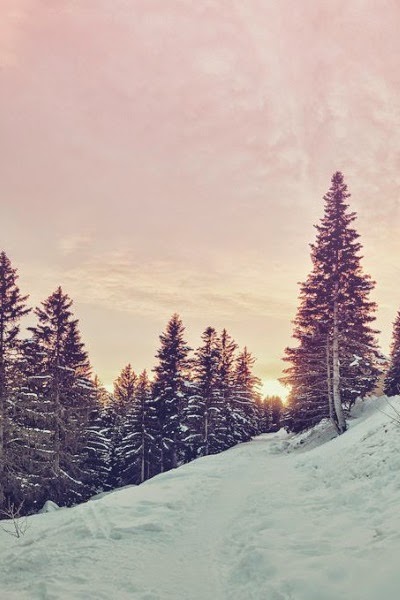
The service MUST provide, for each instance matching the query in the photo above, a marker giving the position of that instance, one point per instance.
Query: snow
(306, 517)
(49, 506)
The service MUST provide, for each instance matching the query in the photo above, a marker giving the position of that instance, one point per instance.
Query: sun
(272, 387)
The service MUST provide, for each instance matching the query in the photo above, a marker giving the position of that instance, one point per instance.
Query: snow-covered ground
(280, 518)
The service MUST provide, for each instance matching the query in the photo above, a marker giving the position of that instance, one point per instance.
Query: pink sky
(171, 155)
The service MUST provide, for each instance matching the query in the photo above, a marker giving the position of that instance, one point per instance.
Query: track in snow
(262, 521)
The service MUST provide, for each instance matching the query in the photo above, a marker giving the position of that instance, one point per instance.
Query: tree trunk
(206, 433)
(3, 415)
(337, 403)
(57, 408)
(2, 452)
(57, 440)
(143, 458)
(332, 414)
(174, 456)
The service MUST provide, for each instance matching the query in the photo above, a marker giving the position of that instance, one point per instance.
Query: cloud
(75, 243)
(204, 134)
(119, 282)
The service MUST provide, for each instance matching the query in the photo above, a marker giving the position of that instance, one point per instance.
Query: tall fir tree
(124, 388)
(121, 405)
(103, 397)
(138, 449)
(97, 449)
(274, 409)
(204, 413)
(99, 438)
(56, 403)
(12, 309)
(335, 360)
(170, 392)
(262, 415)
(226, 383)
(245, 396)
(392, 379)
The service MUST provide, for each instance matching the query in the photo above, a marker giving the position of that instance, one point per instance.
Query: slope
(279, 518)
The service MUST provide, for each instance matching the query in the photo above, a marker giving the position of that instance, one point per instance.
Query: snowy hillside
(280, 518)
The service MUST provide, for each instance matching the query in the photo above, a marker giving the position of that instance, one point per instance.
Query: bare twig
(395, 418)
(19, 523)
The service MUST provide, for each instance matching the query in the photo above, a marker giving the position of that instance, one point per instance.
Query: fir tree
(262, 415)
(111, 423)
(204, 414)
(170, 392)
(244, 397)
(57, 401)
(97, 449)
(121, 405)
(335, 361)
(33, 420)
(226, 384)
(12, 309)
(274, 410)
(138, 449)
(124, 388)
(103, 397)
(392, 379)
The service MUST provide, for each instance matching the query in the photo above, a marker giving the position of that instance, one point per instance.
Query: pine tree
(124, 388)
(103, 397)
(33, 422)
(226, 384)
(12, 309)
(170, 392)
(121, 405)
(111, 424)
(335, 360)
(274, 410)
(392, 379)
(204, 414)
(99, 436)
(97, 449)
(56, 403)
(262, 415)
(244, 397)
(138, 447)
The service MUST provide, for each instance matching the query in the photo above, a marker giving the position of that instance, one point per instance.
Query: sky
(161, 156)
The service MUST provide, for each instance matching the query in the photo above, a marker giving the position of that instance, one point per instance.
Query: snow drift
(283, 517)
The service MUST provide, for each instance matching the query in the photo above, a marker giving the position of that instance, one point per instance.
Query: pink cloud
(201, 134)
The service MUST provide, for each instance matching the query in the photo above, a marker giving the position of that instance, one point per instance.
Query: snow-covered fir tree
(12, 309)
(274, 408)
(204, 414)
(392, 379)
(98, 444)
(335, 360)
(55, 404)
(170, 392)
(262, 415)
(245, 395)
(99, 436)
(138, 449)
(226, 385)
(121, 404)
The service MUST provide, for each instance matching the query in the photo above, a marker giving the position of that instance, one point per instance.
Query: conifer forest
(65, 438)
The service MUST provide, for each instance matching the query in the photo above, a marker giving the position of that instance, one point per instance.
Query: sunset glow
(173, 157)
(272, 387)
